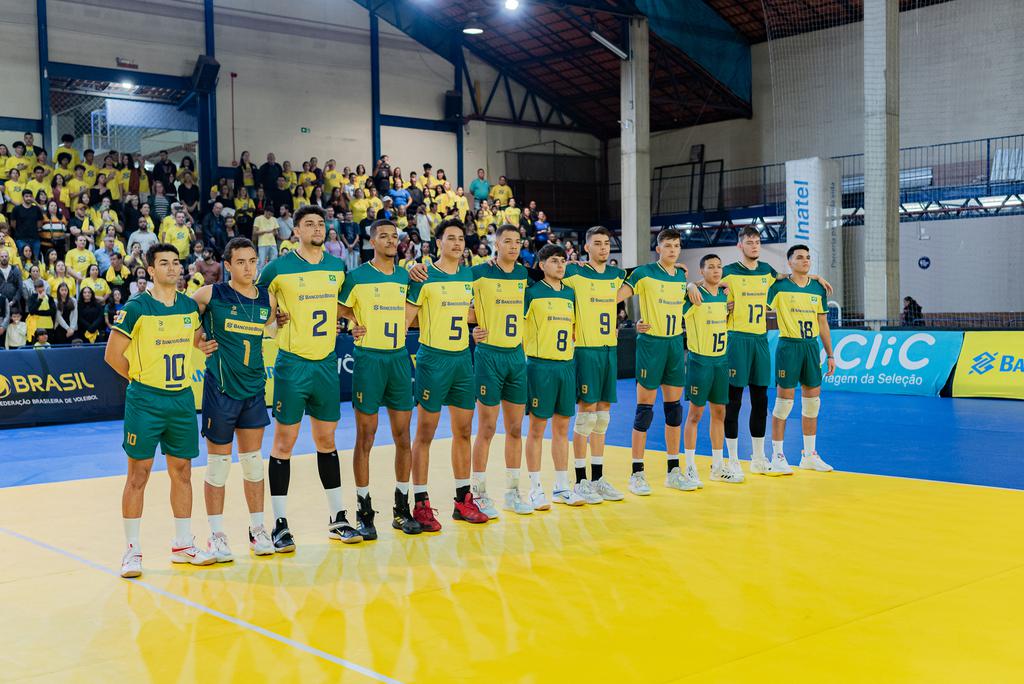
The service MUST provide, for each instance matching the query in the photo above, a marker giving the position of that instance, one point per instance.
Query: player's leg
(487, 385)
(645, 398)
(760, 379)
(292, 390)
(672, 380)
(739, 369)
(132, 498)
(183, 548)
(403, 519)
(534, 447)
(676, 478)
(366, 429)
(426, 426)
(583, 430)
(810, 400)
(462, 430)
(788, 360)
(512, 417)
(431, 389)
(250, 459)
(718, 396)
(219, 418)
(602, 487)
(563, 388)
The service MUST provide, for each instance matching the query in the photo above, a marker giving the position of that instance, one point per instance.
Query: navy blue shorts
(222, 415)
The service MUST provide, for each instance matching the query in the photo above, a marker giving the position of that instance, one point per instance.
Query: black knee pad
(732, 412)
(643, 418)
(673, 414)
(758, 410)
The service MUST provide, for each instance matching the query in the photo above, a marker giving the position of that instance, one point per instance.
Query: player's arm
(411, 313)
(202, 297)
(826, 342)
(117, 345)
(271, 326)
(824, 283)
(625, 292)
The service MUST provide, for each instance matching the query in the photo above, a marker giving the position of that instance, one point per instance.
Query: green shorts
(659, 361)
(597, 370)
(155, 417)
(444, 378)
(797, 362)
(707, 379)
(500, 375)
(381, 378)
(749, 360)
(304, 386)
(552, 387)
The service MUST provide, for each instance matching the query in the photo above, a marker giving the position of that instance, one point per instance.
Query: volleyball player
(151, 346)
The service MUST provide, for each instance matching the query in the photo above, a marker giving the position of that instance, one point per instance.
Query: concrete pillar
(635, 148)
(881, 232)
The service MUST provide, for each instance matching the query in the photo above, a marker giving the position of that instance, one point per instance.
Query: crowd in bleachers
(75, 226)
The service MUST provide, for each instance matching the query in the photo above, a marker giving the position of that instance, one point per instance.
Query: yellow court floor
(813, 578)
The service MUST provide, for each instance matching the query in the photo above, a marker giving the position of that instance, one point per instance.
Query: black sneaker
(340, 529)
(403, 519)
(282, 537)
(364, 519)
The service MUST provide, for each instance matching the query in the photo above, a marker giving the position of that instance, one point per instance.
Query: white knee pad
(217, 468)
(252, 465)
(810, 407)
(585, 423)
(601, 422)
(782, 408)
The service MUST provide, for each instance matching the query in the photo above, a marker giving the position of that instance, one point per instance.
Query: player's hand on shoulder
(205, 345)
(479, 334)
(825, 284)
(282, 317)
(358, 331)
(642, 327)
(418, 272)
(730, 305)
(693, 292)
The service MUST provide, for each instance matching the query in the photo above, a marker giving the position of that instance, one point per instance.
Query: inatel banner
(991, 365)
(58, 385)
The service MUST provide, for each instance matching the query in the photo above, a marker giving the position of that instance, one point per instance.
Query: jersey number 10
(174, 368)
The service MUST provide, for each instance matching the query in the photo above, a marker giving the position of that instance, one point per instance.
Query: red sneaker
(424, 515)
(467, 510)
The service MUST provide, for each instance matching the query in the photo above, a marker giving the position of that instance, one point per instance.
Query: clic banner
(991, 365)
(889, 361)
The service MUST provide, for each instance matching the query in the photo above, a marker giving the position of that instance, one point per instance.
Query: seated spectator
(95, 282)
(61, 274)
(41, 338)
(10, 280)
(114, 304)
(136, 259)
(527, 256)
(188, 194)
(103, 253)
(141, 282)
(91, 322)
(333, 244)
(483, 254)
(80, 258)
(285, 223)
(542, 230)
(912, 313)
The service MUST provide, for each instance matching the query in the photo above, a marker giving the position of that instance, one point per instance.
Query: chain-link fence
(564, 181)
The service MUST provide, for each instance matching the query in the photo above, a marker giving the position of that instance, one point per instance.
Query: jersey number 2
(319, 321)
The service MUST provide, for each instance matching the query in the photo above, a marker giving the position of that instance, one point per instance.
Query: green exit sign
(303, 130)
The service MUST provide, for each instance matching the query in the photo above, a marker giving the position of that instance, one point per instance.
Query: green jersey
(236, 322)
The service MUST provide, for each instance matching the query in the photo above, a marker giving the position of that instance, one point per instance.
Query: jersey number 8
(562, 340)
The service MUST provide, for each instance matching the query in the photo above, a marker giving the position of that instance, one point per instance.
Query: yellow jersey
(179, 236)
(100, 288)
(332, 179)
(748, 290)
(91, 171)
(378, 301)
(309, 294)
(501, 193)
(75, 159)
(71, 283)
(798, 308)
(13, 190)
(160, 352)
(550, 320)
(707, 324)
(661, 298)
(596, 303)
(443, 300)
(498, 300)
(359, 207)
(79, 260)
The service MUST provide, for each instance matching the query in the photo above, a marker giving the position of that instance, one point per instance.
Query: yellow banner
(269, 357)
(991, 365)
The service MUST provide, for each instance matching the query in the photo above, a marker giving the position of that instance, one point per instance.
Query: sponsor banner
(814, 208)
(888, 362)
(991, 365)
(58, 385)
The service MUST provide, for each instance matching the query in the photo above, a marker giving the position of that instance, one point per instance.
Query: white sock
(716, 456)
(216, 523)
(402, 487)
(461, 483)
(809, 443)
(535, 480)
(512, 478)
(480, 479)
(419, 489)
(131, 531)
(561, 480)
(597, 460)
(280, 505)
(255, 520)
(182, 531)
(363, 492)
(758, 446)
(334, 504)
(776, 447)
(579, 463)
(733, 447)
(691, 458)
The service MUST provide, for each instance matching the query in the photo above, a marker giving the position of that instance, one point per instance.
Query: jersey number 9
(606, 323)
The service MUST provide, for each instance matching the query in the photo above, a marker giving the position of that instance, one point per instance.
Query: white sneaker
(218, 546)
(569, 497)
(724, 472)
(131, 563)
(484, 502)
(606, 491)
(260, 542)
(813, 462)
(585, 490)
(539, 500)
(778, 466)
(676, 480)
(191, 555)
(514, 502)
(737, 469)
(691, 476)
(638, 484)
(759, 465)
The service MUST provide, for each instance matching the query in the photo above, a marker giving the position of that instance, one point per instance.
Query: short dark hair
(79, 166)
(89, 151)
(504, 228)
(550, 250)
(708, 257)
(446, 224)
(235, 244)
(796, 248)
(669, 234)
(376, 225)
(159, 248)
(17, 144)
(62, 156)
(305, 211)
(598, 230)
(749, 231)
(67, 137)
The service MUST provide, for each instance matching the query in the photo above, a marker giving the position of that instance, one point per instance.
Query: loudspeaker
(204, 75)
(697, 153)
(452, 105)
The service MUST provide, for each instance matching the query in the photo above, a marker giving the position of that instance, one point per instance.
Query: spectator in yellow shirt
(13, 188)
(62, 275)
(290, 178)
(333, 178)
(306, 177)
(80, 258)
(91, 171)
(100, 288)
(67, 142)
(39, 182)
(501, 193)
(361, 176)
(178, 233)
(512, 212)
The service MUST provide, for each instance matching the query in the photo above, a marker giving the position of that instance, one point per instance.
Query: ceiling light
(511, 4)
(127, 84)
(473, 26)
(615, 49)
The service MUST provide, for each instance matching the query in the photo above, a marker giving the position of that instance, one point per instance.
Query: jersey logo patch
(188, 322)
(333, 278)
(120, 316)
(264, 313)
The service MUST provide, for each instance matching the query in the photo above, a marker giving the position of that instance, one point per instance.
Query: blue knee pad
(644, 416)
(673, 414)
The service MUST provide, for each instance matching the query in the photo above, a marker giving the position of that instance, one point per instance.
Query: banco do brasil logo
(983, 363)
(5, 387)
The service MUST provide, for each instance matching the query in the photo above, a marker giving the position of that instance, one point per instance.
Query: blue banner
(58, 385)
(889, 361)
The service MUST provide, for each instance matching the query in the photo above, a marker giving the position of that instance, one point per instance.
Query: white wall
(19, 57)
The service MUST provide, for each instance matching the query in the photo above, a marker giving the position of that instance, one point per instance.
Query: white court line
(298, 645)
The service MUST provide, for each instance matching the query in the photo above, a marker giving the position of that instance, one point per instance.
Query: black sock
(401, 498)
(638, 466)
(596, 471)
(279, 474)
(581, 473)
(673, 463)
(461, 492)
(420, 496)
(330, 469)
